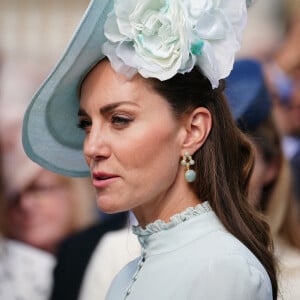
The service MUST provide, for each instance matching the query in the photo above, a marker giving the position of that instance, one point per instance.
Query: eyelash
(119, 121)
(83, 124)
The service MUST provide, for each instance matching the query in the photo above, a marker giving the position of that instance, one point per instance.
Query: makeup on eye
(121, 120)
(115, 113)
(84, 124)
(83, 120)
(118, 120)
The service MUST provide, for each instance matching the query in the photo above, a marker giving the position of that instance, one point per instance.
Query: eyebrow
(107, 108)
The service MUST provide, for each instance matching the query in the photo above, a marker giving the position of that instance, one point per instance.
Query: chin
(109, 206)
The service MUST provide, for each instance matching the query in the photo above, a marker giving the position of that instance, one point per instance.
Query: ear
(198, 125)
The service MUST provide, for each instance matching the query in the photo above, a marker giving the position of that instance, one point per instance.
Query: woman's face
(133, 141)
(42, 215)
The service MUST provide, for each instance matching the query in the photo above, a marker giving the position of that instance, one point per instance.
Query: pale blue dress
(192, 257)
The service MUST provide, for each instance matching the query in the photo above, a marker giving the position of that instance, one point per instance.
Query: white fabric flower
(160, 38)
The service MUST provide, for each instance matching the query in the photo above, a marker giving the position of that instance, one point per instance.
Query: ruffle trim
(181, 217)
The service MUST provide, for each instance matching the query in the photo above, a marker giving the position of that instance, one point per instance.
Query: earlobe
(198, 126)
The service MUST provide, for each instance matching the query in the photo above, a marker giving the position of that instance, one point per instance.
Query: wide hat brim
(50, 134)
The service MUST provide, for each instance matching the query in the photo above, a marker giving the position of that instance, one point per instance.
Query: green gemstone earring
(187, 161)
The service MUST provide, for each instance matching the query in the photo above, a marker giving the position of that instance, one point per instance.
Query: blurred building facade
(265, 28)
(38, 30)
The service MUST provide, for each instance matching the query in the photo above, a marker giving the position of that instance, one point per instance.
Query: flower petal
(160, 38)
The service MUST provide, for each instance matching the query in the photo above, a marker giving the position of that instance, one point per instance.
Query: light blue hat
(50, 134)
(50, 127)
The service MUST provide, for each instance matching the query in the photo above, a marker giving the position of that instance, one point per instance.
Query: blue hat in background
(247, 94)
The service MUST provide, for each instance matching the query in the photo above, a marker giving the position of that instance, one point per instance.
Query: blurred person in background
(25, 272)
(271, 189)
(115, 250)
(43, 208)
(101, 251)
(283, 73)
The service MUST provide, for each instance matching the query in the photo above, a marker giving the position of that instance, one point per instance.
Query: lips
(101, 179)
(103, 176)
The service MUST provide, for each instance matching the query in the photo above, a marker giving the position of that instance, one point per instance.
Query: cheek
(58, 210)
(62, 209)
(86, 157)
(151, 153)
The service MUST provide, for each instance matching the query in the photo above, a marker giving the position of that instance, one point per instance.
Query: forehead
(103, 80)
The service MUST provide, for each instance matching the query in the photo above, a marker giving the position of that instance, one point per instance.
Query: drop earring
(187, 161)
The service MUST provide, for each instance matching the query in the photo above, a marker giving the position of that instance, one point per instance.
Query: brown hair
(278, 200)
(223, 164)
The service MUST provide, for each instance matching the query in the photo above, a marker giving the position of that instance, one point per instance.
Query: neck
(166, 206)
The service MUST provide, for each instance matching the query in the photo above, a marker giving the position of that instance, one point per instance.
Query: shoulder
(25, 271)
(233, 276)
(231, 267)
(224, 268)
(221, 247)
(26, 253)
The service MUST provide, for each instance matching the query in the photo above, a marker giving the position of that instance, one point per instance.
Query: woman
(159, 140)
(271, 189)
(272, 180)
(25, 272)
(48, 207)
(283, 71)
(42, 207)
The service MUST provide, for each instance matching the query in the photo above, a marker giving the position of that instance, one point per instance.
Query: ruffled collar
(175, 220)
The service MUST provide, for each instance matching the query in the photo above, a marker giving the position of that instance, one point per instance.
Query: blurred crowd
(48, 222)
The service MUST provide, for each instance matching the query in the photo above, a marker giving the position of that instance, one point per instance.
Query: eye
(84, 124)
(120, 120)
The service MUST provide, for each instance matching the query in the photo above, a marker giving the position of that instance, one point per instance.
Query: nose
(95, 146)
